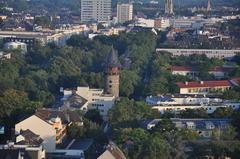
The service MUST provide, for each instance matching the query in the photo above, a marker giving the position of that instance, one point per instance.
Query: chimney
(186, 83)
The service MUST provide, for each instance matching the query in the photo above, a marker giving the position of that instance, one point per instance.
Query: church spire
(112, 59)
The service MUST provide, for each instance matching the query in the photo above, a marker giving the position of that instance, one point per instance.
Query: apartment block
(124, 12)
(95, 10)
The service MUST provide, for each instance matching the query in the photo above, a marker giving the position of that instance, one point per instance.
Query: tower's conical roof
(112, 59)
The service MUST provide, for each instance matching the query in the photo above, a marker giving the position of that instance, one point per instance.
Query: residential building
(204, 87)
(182, 99)
(209, 53)
(109, 31)
(205, 127)
(73, 101)
(112, 73)
(95, 10)
(50, 125)
(58, 36)
(16, 45)
(124, 12)
(85, 98)
(177, 108)
(112, 152)
(74, 150)
(27, 145)
(3, 17)
(182, 23)
(13, 154)
(5, 55)
(193, 72)
(145, 23)
(179, 102)
(161, 23)
(235, 81)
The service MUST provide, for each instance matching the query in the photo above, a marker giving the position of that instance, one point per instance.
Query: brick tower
(112, 72)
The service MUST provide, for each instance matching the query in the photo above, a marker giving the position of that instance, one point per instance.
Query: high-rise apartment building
(95, 10)
(124, 12)
(169, 7)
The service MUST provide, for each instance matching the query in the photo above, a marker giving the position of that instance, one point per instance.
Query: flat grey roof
(81, 144)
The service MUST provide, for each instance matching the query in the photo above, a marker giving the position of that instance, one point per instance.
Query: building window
(110, 81)
(110, 86)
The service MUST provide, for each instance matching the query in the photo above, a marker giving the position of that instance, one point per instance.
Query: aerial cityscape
(119, 79)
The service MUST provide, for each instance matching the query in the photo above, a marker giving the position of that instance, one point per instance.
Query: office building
(95, 10)
(124, 12)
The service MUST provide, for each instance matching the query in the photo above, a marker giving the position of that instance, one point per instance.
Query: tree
(231, 94)
(165, 125)
(194, 113)
(94, 116)
(129, 113)
(167, 130)
(188, 134)
(222, 112)
(228, 133)
(134, 140)
(14, 103)
(11, 101)
(75, 131)
(236, 121)
(43, 21)
(157, 148)
(128, 81)
(100, 26)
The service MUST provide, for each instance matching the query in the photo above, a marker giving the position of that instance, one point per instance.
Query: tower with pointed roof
(209, 6)
(112, 73)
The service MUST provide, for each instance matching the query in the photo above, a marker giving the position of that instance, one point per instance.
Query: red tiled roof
(222, 83)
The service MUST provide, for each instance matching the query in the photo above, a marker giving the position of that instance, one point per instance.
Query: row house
(193, 72)
(204, 87)
(204, 127)
(210, 53)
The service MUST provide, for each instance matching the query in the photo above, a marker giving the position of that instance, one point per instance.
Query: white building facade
(16, 45)
(182, 102)
(95, 10)
(209, 108)
(209, 53)
(124, 12)
(95, 99)
(146, 23)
